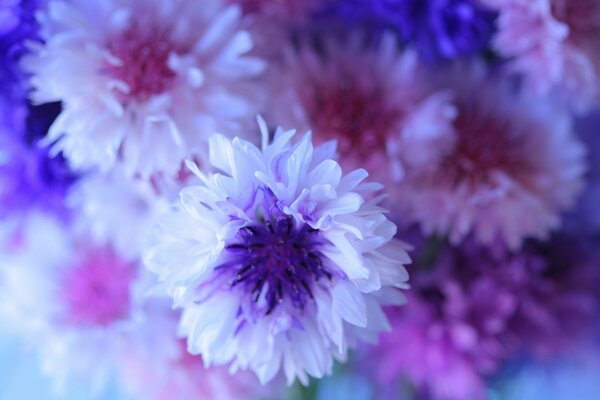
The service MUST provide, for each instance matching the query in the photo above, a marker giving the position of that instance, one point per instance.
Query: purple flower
(30, 176)
(438, 29)
(475, 307)
(17, 25)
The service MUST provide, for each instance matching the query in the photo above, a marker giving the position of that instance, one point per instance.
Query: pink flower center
(486, 143)
(96, 291)
(582, 17)
(352, 111)
(143, 51)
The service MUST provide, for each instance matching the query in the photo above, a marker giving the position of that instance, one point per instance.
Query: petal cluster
(268, 312)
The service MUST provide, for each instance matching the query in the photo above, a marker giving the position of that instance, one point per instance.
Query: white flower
(142, 82)
(278, 261)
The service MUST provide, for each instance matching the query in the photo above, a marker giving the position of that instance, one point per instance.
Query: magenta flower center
(96, 291)
(486, 143)
(353, 111)
(582, 17)
(144, 53)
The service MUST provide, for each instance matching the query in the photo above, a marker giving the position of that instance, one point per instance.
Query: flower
(552, 43)
(437, 29)
(142, 83)
(472, 308)
(70, 299)
(278, 261)
(507, 168)
(30, 177)
(370, 99)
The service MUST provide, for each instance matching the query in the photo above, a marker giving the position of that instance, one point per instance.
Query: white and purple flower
(278, 261)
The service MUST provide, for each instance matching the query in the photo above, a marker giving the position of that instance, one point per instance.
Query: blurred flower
(143, 83)
(369, 99)
(30, 177)
(553, 43)
(278, 261)
(512, 167)
(476, 307)
(437, 29)
(68, 298)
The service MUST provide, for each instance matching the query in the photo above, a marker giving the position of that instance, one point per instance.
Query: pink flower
(369, 99)
(553, 43)
(505, 169)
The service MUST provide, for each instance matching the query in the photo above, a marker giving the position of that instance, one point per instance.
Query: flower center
(486, 143)
(351, 111)
(96, 292)
(275, 261)
(582, 17)
(144, 55)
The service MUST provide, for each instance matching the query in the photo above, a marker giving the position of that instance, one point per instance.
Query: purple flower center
(275, 261)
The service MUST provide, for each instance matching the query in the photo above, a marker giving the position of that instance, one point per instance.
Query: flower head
(507, 168)
(68, 297)
(553, 43)
(142, 83)
(370, 99)
(278, 260)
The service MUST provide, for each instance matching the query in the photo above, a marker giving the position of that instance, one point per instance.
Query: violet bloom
(30, 175)
(437, 29)
(474, 307)
(17, 25)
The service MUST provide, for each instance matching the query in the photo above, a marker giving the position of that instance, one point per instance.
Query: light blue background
(21, 378)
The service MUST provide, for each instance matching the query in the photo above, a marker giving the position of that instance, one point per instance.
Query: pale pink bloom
(554, 44)
(143, 83)
(510, 169)
(370, 99)
(72, 300)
